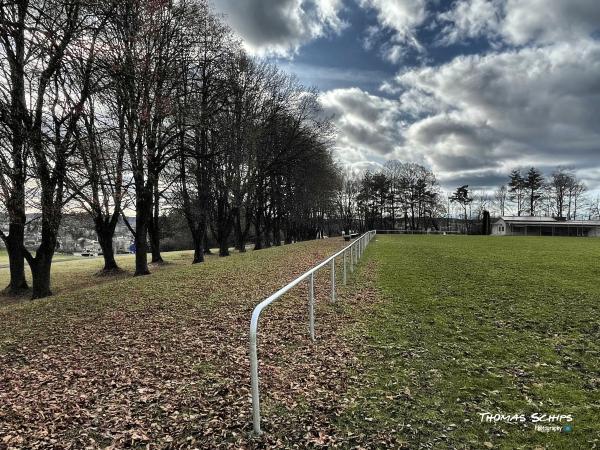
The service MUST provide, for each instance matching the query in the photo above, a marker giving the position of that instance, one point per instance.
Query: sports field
(431, 332)
(469, 325)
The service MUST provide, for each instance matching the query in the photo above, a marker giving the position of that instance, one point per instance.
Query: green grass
(480, 324)
(71, 273)
(57, 257)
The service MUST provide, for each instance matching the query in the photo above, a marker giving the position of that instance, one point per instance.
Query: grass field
(470, 325)
(57, 257)
(430, 332)
(74, 273)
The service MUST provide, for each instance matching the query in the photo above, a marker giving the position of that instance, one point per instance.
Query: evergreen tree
(533, 185)
(462, 197)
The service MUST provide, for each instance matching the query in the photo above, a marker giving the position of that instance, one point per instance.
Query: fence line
(355, 249)
(417, 232)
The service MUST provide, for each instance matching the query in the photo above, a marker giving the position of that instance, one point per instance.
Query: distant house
(88, 247)
(121, 244)
(544, 226)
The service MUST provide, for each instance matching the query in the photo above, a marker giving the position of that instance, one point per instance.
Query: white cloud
(403, 17)
(521, 22)
(532, 106)
(470, 19)
(369, 126)
(477, 116)
(547, 21)
(280, 27)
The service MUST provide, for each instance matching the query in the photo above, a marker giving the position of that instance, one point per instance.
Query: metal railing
(355, 251)
(443, 232)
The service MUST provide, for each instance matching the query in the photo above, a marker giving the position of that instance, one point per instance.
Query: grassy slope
(73, 273)
(57, 257)
(478, 324)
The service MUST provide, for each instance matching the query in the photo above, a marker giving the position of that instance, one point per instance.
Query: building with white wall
(544, 226)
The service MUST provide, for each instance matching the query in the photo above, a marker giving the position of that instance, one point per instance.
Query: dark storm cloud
(487, 180)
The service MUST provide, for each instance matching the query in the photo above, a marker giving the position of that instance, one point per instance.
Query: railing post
(254, 380)
(345, 268)
(311, 305)
(352, 258)
(333, 280)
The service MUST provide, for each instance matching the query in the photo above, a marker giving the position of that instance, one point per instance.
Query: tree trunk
(40, 272)
(154, 226)
(16, 202)
(154, 238)
(276, 233)
(105, 239)
(258, 239)
(224, 233)
(240, 236)
(207, 250)
(16, 260)
(141, 230)
(267, 233)
(223, 248)
(198, 247)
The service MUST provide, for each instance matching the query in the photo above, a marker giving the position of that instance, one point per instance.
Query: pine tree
(533, 184)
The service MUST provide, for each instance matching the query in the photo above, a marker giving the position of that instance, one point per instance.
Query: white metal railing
(355, 250)
(418, 232)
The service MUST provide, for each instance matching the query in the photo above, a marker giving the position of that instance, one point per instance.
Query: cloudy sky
(471, 88)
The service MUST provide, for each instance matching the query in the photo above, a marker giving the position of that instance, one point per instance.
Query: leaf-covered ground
(162, 360)
(430, 332)
(470, 325)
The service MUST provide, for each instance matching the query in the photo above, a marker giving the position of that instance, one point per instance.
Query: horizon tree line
(560, 195)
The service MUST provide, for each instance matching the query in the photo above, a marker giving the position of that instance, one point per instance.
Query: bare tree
(500, 197)
(576, 193)
(346, 200)
(561, 182)
(148, 42)
(48, 44)
(14, 61)
(97, 178)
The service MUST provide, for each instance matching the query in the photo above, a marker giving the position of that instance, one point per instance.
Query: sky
(469, 88)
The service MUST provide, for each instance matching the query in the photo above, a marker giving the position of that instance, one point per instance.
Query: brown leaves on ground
(162, 361)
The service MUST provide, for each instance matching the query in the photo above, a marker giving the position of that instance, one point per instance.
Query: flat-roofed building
(544, 226)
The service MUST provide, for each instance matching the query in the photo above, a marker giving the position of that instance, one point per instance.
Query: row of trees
(407, 196)
(401, 193)
(140, 105)
(531, 193)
